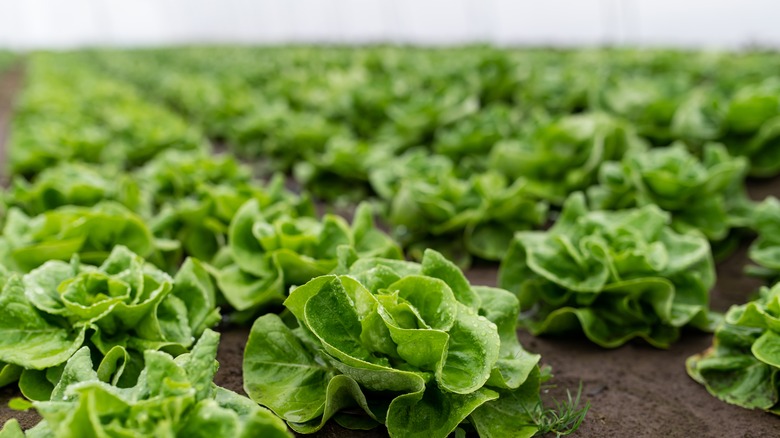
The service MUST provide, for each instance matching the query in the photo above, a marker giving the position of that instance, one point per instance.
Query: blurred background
(33, 24)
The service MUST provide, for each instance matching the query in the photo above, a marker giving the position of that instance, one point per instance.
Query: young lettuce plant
(743, 365)
(458, 216)
(564, 156)
(615, 275)
(268, 253)
(706, 195)
(195, 196)
(410, 346)
(765, 251)
(77, 184)
(173, 397)
(120, 309)
(91, 232)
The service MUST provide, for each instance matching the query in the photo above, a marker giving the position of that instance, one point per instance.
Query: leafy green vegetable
(195, 196)
(173, 397)
(412, 346)
(742, 365)
(431, 207)
(61, 116)
(75, 184)
(765, 251)
(614, 275)
(121, 308)
(91, 232)
(702, 195)
(270, 251)
(565, 155)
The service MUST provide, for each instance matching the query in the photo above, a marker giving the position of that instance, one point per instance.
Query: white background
(28, 24)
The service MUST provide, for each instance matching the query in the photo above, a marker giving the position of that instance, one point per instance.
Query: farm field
(455, 150)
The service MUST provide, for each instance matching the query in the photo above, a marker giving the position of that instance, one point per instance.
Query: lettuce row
(412, 346)
(614, 275)
(706, 195)
(120, 309)
(743, 364)
(268, 252)
(765, 250)
(173, 397)
(183, 204)
(61, 117)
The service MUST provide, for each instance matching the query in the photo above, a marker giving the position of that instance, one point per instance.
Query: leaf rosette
(120, 308)
(412, 346)
(615, 275)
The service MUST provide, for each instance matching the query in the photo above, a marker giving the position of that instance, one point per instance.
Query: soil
(633, 391)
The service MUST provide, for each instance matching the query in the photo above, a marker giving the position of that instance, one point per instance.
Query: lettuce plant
(120, 308)
(429, 206)
(564, 156)
(751, 126)
(765, 251)
(614, 275)
(195, 196)
(411, 346)
(92, 232)
(704, 195)
(743, 364)
(173, 397)
(268, 253)
(76, 184)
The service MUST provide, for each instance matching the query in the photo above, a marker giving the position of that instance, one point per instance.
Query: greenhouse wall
(688, 23)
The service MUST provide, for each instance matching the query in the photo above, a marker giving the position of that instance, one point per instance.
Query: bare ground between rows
(634, 391)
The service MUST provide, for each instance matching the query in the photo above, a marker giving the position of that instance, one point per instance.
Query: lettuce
(195, 196)
(121, 308)
(614, 275)
(173, 397)
(765, 250)
(412, 346)
(742, 366)
(269, 252)
(61, 117)
(429, 206)
(92, 232)
(564, 156)
(76, 184)
(704, 195)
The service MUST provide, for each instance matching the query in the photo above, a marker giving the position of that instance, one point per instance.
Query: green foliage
(91, 232)
(742, 365)
(564, 156)
(706, 195)
(430, 206)
(61, 116)
(173, 397)
(614, 275)
(120, 309)
(765, 251)
(269, 250)
(412, 346)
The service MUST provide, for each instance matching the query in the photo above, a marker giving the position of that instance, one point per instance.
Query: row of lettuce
(98, 163)
(121, 245)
